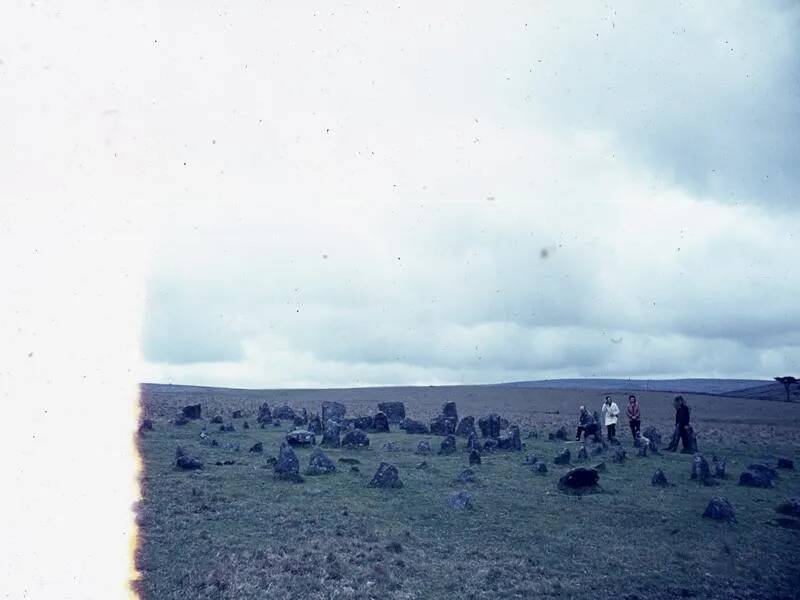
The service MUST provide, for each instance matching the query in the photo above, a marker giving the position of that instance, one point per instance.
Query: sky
(424, 193)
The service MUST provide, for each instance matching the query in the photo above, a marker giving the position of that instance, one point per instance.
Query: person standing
(634, 416)
(682, 419)
(610, 412)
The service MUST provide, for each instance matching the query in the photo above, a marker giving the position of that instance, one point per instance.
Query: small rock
(757, 479)
(720, 509)
(229, 428)
(386, 477)
(785, 463)
(423, 448)
(183, 461)
(448, 445)
(540, 468)
(180, 420)
(390, 447)
(257, 447)
(490, 445)
(237, 414)
(466, 476)
(422, 465)
(579, 480)
(583, 454)
(246, 425)
(355, 439)
(791, 507)
(146, 425)
(600, 467)
(531, 458)
(349, 461)
(700, 470)
(659, 479)
(560, 434)
(217, 420)
(460, 500)
(563, 457)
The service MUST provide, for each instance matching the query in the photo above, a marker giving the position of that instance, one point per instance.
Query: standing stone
(355, 439)
(490, 425)
(380, 423)
(330, 436)
(641, 450)
(246, 425)
(690, 435)
(449, 410)
(394, 411)
(192, 411)
(228, 428)
(423, 448)
(257, 447)
(284, 412)
(448, 445)
(719, 467)
(287, 467)
(264, 415)
(319, 463)
(619, 455)
(474, 457)
(386, 477)
(237, 414)
(473, 443)
(785, 463)
(510, 439)
(559, 434)
(583, 454)
(315, 425)
(364, 423)
(765, 470)
(540, 468)
(442, 425)
(700, 470)
(412, 426)
(531, 458)
(466, 427)
(563, 457)
(720, 509)
(659, 479)
(652, 434)
(460, 501)
(217, 420)
(333, 411)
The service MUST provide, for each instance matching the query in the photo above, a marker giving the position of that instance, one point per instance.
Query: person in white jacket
(610, 412)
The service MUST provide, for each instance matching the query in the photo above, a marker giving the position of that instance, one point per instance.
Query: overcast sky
(432, 192)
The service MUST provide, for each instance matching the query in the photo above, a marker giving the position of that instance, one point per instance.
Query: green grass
(234, 532)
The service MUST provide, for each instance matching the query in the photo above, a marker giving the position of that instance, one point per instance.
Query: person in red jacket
(634, 416)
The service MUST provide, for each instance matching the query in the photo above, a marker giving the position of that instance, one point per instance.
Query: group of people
(589, 424)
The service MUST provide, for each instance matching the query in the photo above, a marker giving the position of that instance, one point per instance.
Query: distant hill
(718, 387)
(768, 391)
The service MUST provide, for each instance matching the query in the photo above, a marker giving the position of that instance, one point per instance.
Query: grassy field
(233, 532)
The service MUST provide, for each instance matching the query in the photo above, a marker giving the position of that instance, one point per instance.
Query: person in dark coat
(682, 419)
